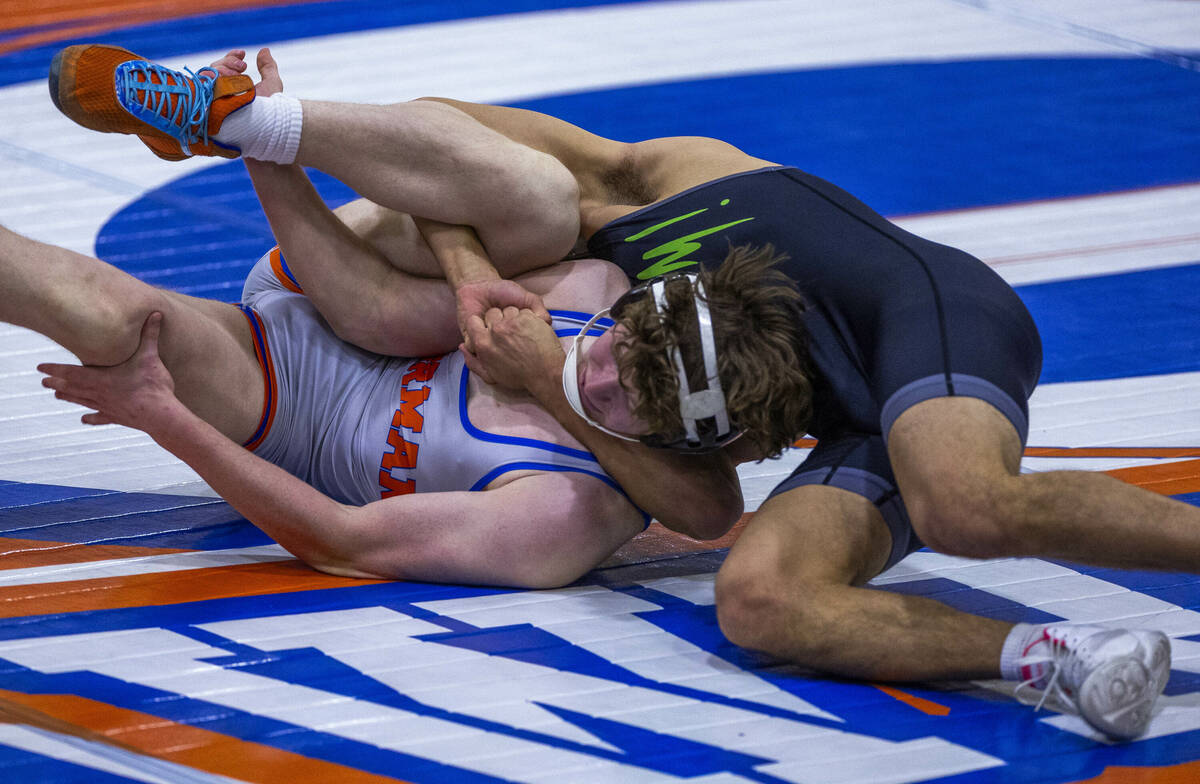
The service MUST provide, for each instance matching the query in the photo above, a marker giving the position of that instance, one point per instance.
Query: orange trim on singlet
(182, 744)
(161, 588)
(262, 352)
(281, 274)
(26, 553)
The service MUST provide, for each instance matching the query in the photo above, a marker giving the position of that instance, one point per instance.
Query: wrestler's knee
(754, 606)
(746, 603)
(538, 224)
(978, 517)
(113, 326)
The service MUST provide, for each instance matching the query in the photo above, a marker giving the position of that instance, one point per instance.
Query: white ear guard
(705, 418)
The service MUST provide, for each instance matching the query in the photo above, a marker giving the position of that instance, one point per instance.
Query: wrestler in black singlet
(893, 319)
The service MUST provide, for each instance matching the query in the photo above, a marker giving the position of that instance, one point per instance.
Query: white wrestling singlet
(360, 426)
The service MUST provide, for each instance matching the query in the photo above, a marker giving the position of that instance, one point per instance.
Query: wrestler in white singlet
(360, 426)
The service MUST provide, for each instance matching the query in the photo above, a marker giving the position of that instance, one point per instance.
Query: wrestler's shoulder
(675, 163)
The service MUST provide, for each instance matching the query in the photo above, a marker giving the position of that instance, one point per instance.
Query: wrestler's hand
(268, 70)
(138, 393)
(477, 298)
(514, 348)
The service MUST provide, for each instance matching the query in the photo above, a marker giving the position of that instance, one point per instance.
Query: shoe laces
(177, 103)
(1059, 651)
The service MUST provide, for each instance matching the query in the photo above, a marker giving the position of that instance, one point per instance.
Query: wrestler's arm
(538, 531)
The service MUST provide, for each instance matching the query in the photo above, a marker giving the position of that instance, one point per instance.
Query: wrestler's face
(600, 388)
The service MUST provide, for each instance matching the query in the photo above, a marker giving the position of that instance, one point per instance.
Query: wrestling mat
(150, 634)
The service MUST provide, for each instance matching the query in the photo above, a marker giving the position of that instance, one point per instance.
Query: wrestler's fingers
(492, 317)
(474, 365)
(66, 379)
(55, 370)
(231, 64)
(475, 330)
(79, 400)
(538, 308)
(96, 418)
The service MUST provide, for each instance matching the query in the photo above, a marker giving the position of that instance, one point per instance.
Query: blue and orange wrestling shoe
(176, 113)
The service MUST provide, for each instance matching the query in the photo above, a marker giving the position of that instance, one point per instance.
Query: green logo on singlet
(675, 250)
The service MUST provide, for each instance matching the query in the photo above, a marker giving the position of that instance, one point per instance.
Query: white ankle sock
(266, 129)
(1022, 641)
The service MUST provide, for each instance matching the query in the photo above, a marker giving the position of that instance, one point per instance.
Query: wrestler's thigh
(812, 534)
(392, 233)
(208, 346)
(953, 458)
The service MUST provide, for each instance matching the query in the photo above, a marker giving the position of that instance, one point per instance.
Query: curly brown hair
(762, 353)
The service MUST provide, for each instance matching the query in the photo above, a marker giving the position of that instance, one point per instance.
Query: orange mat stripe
(1081, 451)
(925, 706)
(23, 553)
(1113, 451)
(179, 743)
(146, 590)
(1163, 478)
(1183, 773)
(77, 18)
(39, 13)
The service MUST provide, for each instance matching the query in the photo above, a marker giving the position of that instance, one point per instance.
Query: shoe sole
(55, 70)
(63, 77)
(1158, 645)
(1118, 697)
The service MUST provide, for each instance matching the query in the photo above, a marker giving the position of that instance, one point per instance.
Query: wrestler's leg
(367, 299)
(96, 312)
(956, 461)
(430, 159)
(791, 587)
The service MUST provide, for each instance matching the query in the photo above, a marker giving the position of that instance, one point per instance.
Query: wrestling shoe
(1110, 677)
(176, 113)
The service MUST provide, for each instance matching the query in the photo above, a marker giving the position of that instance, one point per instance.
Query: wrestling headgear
(706, 425)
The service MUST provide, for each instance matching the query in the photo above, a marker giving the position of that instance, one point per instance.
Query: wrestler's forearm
(696, 495)
(306, 522)
(458, 251)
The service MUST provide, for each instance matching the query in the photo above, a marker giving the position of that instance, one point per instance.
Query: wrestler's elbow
(709, 515)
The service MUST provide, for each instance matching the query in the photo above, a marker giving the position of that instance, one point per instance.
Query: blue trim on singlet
(532, 443)
(522, 465)
(600, 327)
(579, 315)
(260, 341)
(287, 270)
